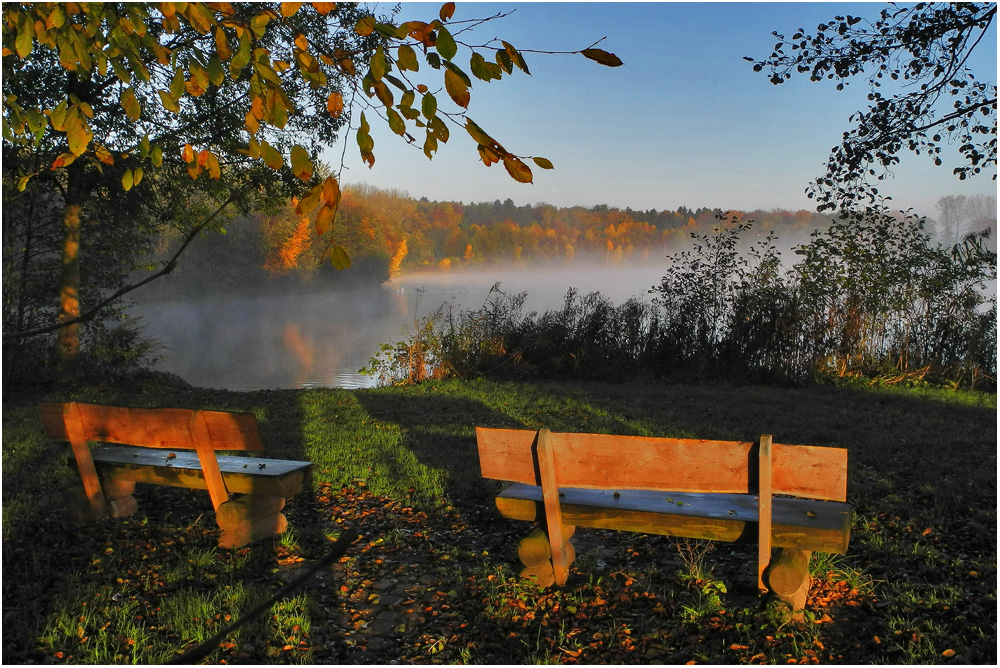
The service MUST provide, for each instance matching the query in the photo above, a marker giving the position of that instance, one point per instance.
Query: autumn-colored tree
(240, 96)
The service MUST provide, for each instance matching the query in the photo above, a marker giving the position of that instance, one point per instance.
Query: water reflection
(322, 339)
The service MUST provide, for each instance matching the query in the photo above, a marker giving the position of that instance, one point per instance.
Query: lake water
(323, 339)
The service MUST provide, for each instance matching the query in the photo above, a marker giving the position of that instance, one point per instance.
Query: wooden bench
(789, 497)
(153, 444)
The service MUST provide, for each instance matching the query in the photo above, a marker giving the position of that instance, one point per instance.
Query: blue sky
(685, 121)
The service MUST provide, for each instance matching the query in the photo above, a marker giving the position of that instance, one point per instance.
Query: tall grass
(870, 297)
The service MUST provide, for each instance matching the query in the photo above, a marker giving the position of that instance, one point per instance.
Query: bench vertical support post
(209, 463)
(764, 511)
(73, 421)
(553, 511)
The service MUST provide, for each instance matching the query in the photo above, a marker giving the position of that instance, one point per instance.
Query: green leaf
(406, 58)
(603, 57)
(396, 123)
(215, 72)
(272, 158)
(439, 129)
(156, 156)
(446, 44)
(339, 257)
(543, 163)
(25, 36)
(477, 133)
(479, 67)
(429, 105)
(302, 166)
(177, 84)
(434, 60)
(378, 64)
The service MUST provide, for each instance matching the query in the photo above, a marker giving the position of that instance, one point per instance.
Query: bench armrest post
(553, 510)
(209, 463)
(764, 511)
(77, 435)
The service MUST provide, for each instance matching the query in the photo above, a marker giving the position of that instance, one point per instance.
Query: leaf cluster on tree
(168, 113)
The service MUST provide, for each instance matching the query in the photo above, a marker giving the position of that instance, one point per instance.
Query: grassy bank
(400, 465)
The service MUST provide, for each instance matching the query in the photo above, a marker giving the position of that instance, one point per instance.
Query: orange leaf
(188, 153)
(324, 219)
(289, 8)
(447, 11)
(603, 57)
(335, 104)
(104, 155)
(518, 171)
(331, 191)
(324, 8)
(203, 158)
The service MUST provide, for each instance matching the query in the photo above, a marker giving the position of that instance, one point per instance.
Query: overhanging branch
(89, 315)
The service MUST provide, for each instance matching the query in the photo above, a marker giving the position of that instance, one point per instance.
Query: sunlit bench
(789, 497)
(177, 447)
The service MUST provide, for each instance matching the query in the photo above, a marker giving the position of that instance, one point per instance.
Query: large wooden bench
(789, 497)
(177, 447)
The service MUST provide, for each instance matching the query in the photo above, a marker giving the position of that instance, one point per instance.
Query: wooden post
(209, 463)
(84, 461)
(534, 548)
(789, 577)
(764, 511)
(250, 517)
(553, 510)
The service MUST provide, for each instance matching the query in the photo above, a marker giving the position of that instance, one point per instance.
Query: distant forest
(388, 232)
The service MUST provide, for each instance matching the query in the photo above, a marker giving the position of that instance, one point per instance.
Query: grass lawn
(433, 577)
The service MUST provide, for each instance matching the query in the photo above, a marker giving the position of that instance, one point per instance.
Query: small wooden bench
(789, 497)
(152, 449)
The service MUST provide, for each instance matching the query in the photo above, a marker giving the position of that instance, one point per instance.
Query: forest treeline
(388, 232)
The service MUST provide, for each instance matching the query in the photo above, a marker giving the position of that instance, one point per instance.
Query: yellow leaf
(127, 180)
(365, 26)
(78, 136)
(137, 175)
(22, 183)
(130, 104)
(335, 104)
(251, 123)
(25, 36)
(289, 8)
(339, 257)
(324, 219)
(214, 170)
(63, 160)
(302, 166)
(200, 17)
(543, 163)
(301, 41)
(456, 88)
(309, 202)
(104, 155)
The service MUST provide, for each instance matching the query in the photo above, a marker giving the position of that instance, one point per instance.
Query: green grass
(922, 561)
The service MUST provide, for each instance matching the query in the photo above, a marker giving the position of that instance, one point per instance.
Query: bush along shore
(432, 578)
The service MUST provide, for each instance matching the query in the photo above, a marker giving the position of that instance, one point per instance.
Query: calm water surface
(323, 339)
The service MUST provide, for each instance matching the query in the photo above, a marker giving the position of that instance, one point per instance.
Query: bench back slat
(600, 461)
(168, 428)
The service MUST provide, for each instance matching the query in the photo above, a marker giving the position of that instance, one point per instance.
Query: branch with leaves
(925, 47)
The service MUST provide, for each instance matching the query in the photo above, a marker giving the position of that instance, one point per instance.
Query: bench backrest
(600, 461)
(168, 428)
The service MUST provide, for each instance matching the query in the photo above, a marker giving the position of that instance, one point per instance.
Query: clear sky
(685, 122)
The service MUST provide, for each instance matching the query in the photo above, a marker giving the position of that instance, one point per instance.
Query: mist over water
(322, 339)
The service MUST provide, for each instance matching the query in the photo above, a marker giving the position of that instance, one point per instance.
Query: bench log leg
(119, 496)
(250, 518)
(535, 553)
(788, 577)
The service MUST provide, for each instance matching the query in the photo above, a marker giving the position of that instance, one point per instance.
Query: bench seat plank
(242, 475)
(796, 523)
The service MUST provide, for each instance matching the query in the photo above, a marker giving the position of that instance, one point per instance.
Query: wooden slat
(764, 510)
(242, 475)
(553, 515)
(155, 427)
(823, 526)
(600, 461)
(206, 457)
(75, 434)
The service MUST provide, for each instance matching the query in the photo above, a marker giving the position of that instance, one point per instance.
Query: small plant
(693, 553)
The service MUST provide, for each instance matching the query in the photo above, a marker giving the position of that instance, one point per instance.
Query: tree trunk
(68, 342)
